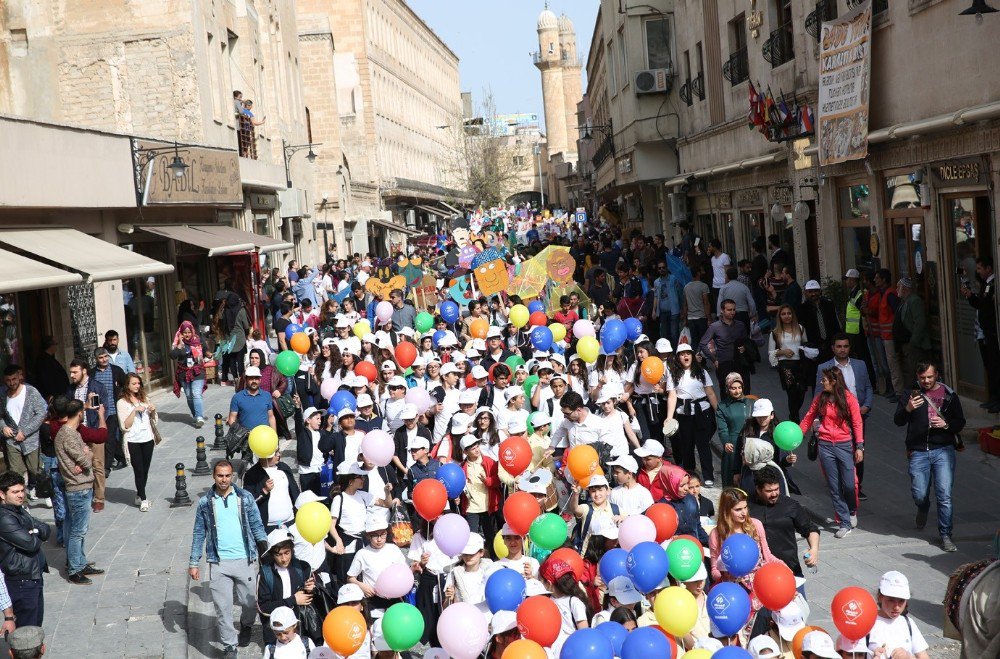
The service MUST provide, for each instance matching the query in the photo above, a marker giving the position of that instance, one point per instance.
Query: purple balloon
(378, 448)
(635, 529)
(420, 399)
(394, 581)
(462, 630)
(383, 311)
(451, 533)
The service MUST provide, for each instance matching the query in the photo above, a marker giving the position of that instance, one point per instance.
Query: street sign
(580, 216)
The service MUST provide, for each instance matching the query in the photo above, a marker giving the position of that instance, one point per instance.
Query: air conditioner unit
(678, 207)
(411, 219)
(654, 81)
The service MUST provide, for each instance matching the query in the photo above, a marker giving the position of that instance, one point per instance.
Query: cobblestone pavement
(146, 606)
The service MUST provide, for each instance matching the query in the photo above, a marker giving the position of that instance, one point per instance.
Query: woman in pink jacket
(841, 445)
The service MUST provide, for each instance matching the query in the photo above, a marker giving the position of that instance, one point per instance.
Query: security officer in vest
(853, 325)
(984, 303)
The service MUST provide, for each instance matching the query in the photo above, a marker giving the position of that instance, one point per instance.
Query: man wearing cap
(909, 330)
(495, 351)
(818, 317)
(273, 486)
(630, 497)
(783, 518)
(252, 407)
(406, 435)
(313, 445)
(228, 528)
(854, 325)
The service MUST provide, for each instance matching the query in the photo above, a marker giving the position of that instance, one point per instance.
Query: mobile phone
(93, 400)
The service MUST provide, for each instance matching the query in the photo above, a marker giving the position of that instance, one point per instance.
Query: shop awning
(96, 259)
(19, 273)
(192, 235)
(391, 226)
(264, 243)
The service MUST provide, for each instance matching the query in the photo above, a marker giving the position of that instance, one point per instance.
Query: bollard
(181, 497)
(220, 444)
(201, 466)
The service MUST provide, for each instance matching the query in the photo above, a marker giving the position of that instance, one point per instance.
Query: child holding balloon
(895, 633)
(569, 598)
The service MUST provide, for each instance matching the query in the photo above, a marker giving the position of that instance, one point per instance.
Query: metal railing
(826, 10)
(736, 69)
(698, 86)
(779, 48)
(604, 151)
(685, 92)
(878, 6)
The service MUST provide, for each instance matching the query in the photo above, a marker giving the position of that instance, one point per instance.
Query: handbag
(44, 488)
(310, 622)
(813, 449)
(157, 437)
(236, 440)
(401, 526)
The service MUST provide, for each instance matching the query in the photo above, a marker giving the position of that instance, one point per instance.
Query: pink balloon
(420, 399)
(378, 448)
(451, 534)
(463, 631)
(328, 388)
(636, 529)
(582, 328)
(383, 311)
(395, 581)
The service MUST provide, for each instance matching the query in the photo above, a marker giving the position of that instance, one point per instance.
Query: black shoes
(921, 521)
(79, 579)
(90, 571)
(246, 631)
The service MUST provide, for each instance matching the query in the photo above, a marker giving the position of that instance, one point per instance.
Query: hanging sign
(844, 83)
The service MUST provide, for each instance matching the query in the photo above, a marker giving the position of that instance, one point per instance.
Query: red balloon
(366, 369)
(538, 318)
(515, 455)
(665, 518)
(406, 354)
(538, 619)
(854, 610)
(470, 381)
(693, 539)
(519, 511)
(573, 558)
(774, 585)
(429, 498)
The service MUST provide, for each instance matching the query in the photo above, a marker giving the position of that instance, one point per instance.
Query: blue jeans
(836, 459)
(193, 391)
(77, 522)
(58, 496)
(938, 465)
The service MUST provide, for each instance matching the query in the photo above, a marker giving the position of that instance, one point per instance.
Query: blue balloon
(453, 478)
(541, 338)
(613, 564)
(732, 652)
(438, 335)
(505, 590)
(615, 632)
(343, 399)
(646, 642)
(587, 644)
(292, 330)
(647, 566)
(613, 335)
(449, 311)
(535, 305)
(728, 607)
(739, 555)
(634, 328)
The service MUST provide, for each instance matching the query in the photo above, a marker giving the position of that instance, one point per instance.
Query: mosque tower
(572, 80)
(549, 61)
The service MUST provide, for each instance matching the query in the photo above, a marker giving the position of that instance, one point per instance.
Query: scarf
(187, 373)
(757, 454)
(670, 477)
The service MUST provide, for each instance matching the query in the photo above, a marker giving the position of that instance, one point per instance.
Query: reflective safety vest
(886, 315)
(852, 319)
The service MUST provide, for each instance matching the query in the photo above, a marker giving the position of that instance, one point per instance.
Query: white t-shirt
(693, 388)
(313, 554)
(611, 377)
(719, 265)
(438, 561)
(350, 511)
(352, 445)
(139, 433)
(616, 436)
(518, 564)
(896, 634)
(15, 405)
(298, 648)
(369, 563)
(470, 587)
(316, 463)
(376, 484)
(641, 387)
(279, 503)
(632, 501)
(572, 610)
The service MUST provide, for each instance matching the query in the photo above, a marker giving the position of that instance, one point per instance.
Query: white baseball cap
(684, 347)
(534, 587)
(517, 427)
(540, 418)
(448, 340)
(859, 646)
(388, 366)
(409, 412)
(252, 372)
(789, 620)
(469, 440)
(355, 468)
(397, 381)
(283, 619)
(626, 462)
(364, 400)
(449, 368)
(597, 481)
(419, 442)
(663, 345)
(507, 531)
(306, 496)
(478, 372)
(558, 358)
(762, 407)
(513, 392)
(472, 353)
(894, 584)
(494, 332)
(820, 644)
(852, 273)
(623, 590)
(474, 544)
(479, 344)
(650, 448)
(407, 331)
(460, 424)
(813, 285)
(342, 322)
(345, 412)
(605, 396)
(309, 411)
(700, 575)
(708, 643)
(468, 397)
(763, 647)
(276, 537)
(418, 362)
(375, 523)
(349, 593)
(329, 341)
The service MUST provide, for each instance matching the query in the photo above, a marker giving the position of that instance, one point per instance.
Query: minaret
(549, 61)
(571, 79)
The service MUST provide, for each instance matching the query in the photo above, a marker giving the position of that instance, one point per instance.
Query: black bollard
(201, 466)
(181, 497)
(220, 444)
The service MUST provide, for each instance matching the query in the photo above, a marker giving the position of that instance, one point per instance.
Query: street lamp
(289, 149)
(589, 128)
(541, 181)
(978, 8)
(143, 157)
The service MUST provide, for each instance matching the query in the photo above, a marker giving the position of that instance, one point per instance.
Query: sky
(493, 41)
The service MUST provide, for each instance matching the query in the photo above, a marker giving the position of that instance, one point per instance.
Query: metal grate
(736, 69)
(698, 86)
(778, 48)
(826, 10)
(685, 92)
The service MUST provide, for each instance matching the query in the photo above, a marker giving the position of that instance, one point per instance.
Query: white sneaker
(199, 422)
(31, 495)
(842, 532)
(48, 502)
(854, 521)
(144, 507)
(709, 483)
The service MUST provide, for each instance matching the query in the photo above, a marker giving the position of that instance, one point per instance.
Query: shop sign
(625, 164)
(724, 201)
(844, 83)
(749, 197)
(262, 201)
(781, 194)
(212, 176)
(969, 171)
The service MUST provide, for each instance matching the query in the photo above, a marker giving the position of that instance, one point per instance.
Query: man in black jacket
(313, 445)
(273, 486)
(933, 416)
(21, 555)
(818, 316)
(783, 517)
(984, 302)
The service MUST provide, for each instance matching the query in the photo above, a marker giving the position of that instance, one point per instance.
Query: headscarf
(733, 377)
(758, 453)
(185, 372)
(233, 306)
(194, 343)
(670, 478)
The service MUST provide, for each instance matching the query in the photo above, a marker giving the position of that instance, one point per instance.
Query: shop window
(855, 228)
(261, 226)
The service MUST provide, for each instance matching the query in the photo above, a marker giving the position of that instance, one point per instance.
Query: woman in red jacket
(481, 498)
(841, 445)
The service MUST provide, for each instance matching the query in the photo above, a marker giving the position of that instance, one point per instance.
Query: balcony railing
(685, 92)
(604, 151)
(698, 86)
(826, 10)
(878, 6)
(736, 69)
(778, 48)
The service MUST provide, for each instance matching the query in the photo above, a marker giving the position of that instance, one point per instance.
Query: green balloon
(788, 435)
(548, 531)
(528, 384)
(402, 626)
(514, 361)
(424, 322)
(288, 362)
(685, 559)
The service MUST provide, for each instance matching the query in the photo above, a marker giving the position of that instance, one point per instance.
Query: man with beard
(251, 407)
(783, 517)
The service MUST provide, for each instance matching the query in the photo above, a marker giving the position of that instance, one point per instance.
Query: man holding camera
(92, 394)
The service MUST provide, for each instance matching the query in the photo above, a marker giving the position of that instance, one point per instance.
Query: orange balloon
(300, 343)
(344, 630)
(538, 318)
(582, 461)
(585, 483)
(478, 328)
(524, 648)
(406, 354)
(366, 369)
(665, 518)
(519, 511)
(429, 498)
(799, 636)
(652, 370)
(572, 557)
(538, 619)
(515, 455)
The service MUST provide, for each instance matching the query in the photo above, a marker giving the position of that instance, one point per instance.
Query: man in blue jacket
(228, 527)
(856, 379)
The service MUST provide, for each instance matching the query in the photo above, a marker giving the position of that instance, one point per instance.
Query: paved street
(146, 607)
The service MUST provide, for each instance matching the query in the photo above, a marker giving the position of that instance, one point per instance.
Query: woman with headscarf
(189, 373)
(236, 325)
(730, 417)
(674, 481)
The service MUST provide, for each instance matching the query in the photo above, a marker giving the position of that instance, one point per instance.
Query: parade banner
(844, 84)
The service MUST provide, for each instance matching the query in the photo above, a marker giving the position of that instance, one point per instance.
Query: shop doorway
(967, 229)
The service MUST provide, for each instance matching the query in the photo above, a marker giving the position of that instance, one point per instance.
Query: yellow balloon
(313, 521)
(263, 441)
(588, 348)
(676, 610)
(519, 315)
(362, 328)
(499, 548)
(558, 331)
(698, 653)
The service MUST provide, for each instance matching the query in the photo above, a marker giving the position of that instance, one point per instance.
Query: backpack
(581, 530)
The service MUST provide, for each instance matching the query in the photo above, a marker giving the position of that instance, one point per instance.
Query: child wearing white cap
(372, 559)
(621, 434)
(894, 631)
(516, 560)
(467, 581)
(289, 643)
(696, 586)
(630, 497)
(590, 514)
(349, 510)
(351, 595)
